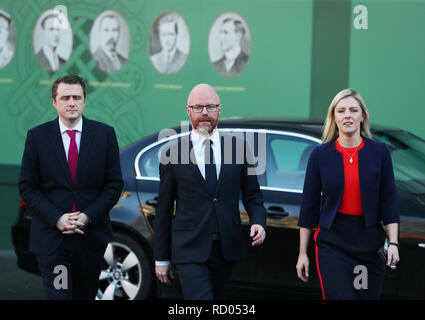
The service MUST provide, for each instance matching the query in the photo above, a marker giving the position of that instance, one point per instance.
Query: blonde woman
(348, 190)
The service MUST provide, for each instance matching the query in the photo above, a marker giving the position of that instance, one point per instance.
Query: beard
(204, 131)
(110, 44)
(205, 127)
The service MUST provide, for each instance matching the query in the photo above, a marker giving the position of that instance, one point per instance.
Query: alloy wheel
(121, 275)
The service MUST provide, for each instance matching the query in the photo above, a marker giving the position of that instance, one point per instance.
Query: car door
(408, 159)
(245, 270)
(287, 157)
(147, 175)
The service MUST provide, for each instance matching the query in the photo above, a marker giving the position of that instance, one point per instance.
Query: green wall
(387, 63)
(138, 100)
(302, 53)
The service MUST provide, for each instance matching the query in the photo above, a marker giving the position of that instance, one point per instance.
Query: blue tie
(211, 174)
(210, 168)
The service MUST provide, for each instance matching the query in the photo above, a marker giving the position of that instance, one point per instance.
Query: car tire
(127, 271)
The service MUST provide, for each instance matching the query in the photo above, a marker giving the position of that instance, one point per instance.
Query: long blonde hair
(330, 131)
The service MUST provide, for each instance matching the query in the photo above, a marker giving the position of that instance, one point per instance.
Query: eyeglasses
(210, 108)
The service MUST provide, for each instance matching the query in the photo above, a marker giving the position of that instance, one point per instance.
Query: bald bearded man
(203, 238)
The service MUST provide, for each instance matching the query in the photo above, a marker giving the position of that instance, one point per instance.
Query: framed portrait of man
(7, 38)
(229, 44)
(52, 40)
(169, 43)
(110, 41)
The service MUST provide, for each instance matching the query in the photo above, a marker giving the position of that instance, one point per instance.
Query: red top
(351, 200)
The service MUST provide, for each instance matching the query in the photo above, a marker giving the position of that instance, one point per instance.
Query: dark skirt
(347, 259)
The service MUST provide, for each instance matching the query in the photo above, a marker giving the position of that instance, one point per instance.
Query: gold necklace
(351, 156)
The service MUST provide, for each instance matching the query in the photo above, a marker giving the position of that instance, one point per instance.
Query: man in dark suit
(48, 56)
(203, 239)
(70, 179)
(170, 59)
(6, 48)
(106, 57)
(234, 59)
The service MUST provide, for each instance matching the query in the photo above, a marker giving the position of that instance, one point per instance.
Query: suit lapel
(87, 136)
(59, 151)
(363, 160)
(335, 165)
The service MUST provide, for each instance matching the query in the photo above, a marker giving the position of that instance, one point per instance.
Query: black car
(267, 271)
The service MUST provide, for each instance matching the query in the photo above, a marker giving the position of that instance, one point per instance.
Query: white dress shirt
(199, 151)
(169, 56)
(52, 57)
(230, 57)
(116, 63)
(65, 137)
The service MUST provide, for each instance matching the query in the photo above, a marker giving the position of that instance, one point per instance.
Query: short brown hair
(69, 79)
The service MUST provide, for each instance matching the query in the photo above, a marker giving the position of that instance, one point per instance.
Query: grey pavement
(16, 284)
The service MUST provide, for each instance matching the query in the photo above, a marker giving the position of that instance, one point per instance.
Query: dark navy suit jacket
(187, 237)
(45, 183)
(325, 174)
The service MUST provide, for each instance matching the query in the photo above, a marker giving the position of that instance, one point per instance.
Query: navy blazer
(325, 174)
(45, 183)
(186, 237)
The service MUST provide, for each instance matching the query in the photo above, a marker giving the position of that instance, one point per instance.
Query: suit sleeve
(252, 197)
(29, 185)
(113, 183)
(311, 198)
(164, 213)
(388, 197)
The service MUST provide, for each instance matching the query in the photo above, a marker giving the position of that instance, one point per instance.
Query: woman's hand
(393, 256)
(303, 267)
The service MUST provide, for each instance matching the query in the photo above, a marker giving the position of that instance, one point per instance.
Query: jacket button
(215, 200)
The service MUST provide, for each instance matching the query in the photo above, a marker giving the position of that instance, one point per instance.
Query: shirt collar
(171, 53)
(233, 53)
(78, 127)
(111, 54)
(198, 139)
(48, 52)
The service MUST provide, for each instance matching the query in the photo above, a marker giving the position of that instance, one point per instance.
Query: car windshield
(408, 156)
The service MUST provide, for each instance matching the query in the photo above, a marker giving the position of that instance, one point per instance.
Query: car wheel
(126, 271)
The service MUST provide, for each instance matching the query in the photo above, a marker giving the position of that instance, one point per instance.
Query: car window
(408, 158)
(287, 161)
(257, 144)
(149, 162)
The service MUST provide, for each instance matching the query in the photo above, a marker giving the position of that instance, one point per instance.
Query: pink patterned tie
(72, 159)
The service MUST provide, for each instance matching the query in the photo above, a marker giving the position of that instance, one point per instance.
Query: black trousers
(72, 271)
(347, 259)
(206, 281)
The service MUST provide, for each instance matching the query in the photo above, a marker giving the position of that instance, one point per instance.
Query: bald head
(204, 122)
(203, 94)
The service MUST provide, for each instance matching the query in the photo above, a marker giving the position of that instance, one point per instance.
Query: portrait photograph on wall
(52, 40)
(110, 41)
(229, 44)
(7, 38)
(169, 43)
